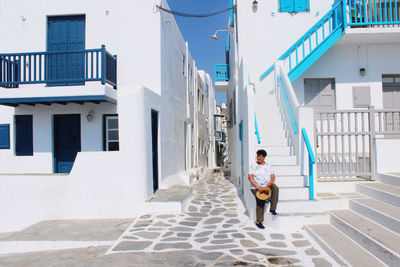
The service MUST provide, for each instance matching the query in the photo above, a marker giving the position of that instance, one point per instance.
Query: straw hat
(265, 194)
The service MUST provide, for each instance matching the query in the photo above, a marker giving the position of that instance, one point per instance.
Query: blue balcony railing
(58, 68)
(373, 12)
(221, 72)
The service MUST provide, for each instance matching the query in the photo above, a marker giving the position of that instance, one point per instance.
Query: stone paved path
(214, 225)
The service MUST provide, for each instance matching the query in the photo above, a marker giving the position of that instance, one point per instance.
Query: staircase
(368, 233)
(294, 207)
(314, 43)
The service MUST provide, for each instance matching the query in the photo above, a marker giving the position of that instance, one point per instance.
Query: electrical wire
(195, 15)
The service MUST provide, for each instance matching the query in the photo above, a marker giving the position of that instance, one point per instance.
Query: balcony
(221, 77)
(61, 76)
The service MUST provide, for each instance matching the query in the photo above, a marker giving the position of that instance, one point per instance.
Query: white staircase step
(290, 181)
(378, 211)
(378, 240)
(389, 179)
(340, 247)
(271, 133)
(281, 160)
(286, 170)
(275, 150)
(296, 220)
(306, 205)
(273, 141)
(292, 193)
(383, 192)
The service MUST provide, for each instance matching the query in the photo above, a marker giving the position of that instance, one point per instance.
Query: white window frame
(107, 130)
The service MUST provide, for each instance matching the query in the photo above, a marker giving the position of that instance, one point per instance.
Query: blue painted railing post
(344, 14)
(257, 131)
(103, 64)
(311, 162)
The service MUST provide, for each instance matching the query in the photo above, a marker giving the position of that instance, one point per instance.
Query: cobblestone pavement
(215, 226)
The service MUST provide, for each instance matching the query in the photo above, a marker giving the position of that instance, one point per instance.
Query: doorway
(67, 141)
(154, 141)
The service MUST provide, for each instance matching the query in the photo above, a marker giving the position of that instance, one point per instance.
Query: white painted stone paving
(214, 221)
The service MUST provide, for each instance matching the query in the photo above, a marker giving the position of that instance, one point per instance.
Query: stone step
(387, 193)
(273, 141)
(290, 180)
(306, 205)
(294, 220)
(340, 247)
(378, 240)
(281, 160)
(266, 133)
(286, 170)
(378, 211)
(293, 193)
(275, 150)
(390, 179)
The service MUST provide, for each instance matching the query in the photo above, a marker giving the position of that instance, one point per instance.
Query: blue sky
(197, 31)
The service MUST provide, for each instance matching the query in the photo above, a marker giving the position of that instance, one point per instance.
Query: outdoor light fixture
(214, 36)
(362, 72)
(255, 4)
(90, 116)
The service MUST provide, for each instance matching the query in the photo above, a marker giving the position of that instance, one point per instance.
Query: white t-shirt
(261, 174)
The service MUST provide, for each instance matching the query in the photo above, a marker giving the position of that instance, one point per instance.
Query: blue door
(66, 33)
(67, 141)
(23, 135)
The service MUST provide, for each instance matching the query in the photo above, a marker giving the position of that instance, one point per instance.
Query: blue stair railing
(257, 131)
(377, 12)
(311, 162)
(313, 43)
(289, 110)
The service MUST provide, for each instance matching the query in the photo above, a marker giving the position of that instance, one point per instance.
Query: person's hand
(260, 189)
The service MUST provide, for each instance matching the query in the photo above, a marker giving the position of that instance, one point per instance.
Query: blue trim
(311, 161)
(294, 126)
(268, 71)
(231, 14)
(57, 99)
(4, 136)
(249, 78)
(221, 72)
(257, 131)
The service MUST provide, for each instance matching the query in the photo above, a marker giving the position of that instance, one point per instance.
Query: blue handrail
(311, 162)
(56, 67)
(379, 12)
(335, 21)
(287, 106)
(221, 72)
(257, 131)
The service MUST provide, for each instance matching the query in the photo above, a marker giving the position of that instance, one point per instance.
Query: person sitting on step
(261, 175)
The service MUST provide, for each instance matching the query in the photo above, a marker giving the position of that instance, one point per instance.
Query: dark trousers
(273, 199)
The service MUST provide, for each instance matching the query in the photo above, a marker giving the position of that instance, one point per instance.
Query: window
(4, 136)
(294, 5)
(391, 91)
(111, 136)
(23, 135)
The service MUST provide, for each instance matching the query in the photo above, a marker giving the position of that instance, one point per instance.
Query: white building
(325, 66)
(106, 93)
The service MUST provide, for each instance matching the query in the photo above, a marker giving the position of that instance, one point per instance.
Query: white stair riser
(290, 181)
(292, 206)
(377, 194)
(389, 179)
(289, 193)
(286, 170)
(374, 247)
(271, 134)
(273, 142)
(275, 150)
(377, 216)
(281, 160)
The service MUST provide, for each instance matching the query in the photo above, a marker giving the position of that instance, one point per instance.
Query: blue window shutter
(301, 5)
(286, 5)
(4, 136)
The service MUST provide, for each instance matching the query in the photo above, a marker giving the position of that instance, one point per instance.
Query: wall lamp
(214, 36)
(90, 116)
(362, 72)
(255, 4)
